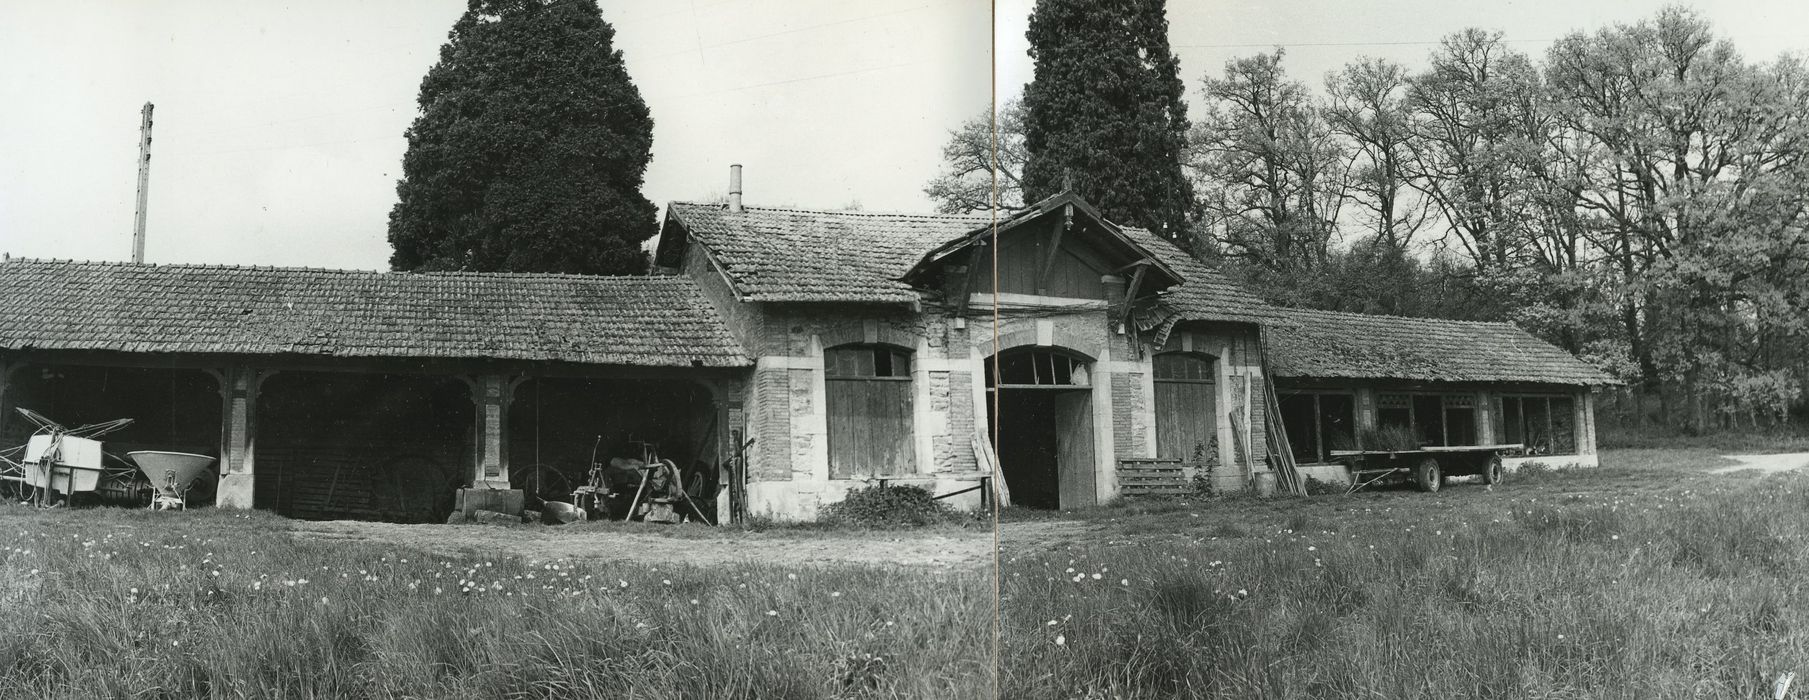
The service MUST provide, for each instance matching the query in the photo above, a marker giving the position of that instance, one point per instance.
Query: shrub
(889, 506)
(1389, 439)
(1321, 487)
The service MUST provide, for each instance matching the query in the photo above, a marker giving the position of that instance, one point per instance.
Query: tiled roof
(651, 321)
(801, 255)
(1206, 295)
(1336, 345)
(798, 255)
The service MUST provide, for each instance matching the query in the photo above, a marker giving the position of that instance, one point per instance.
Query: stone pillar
(238, 436)
(924, 424)
(1227, 443)
(1105, 451)
(1146, 367)
(1366, 408)
(492, 393)
(812, 415)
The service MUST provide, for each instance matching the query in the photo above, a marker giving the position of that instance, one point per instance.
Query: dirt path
(1042, 535)
(960, 550)
(1768, 464)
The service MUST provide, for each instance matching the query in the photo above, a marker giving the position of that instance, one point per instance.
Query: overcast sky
(279, 126)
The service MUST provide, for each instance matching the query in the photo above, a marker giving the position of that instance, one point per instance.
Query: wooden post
(1485, 419)
(144, 183)
(974, 258)
(6, 378)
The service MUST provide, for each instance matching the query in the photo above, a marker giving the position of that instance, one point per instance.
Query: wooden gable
(1059, 247)
(1036, 260)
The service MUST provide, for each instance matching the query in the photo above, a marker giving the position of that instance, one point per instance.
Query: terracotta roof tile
(799, 255)
(1336, 345)
(653, 321)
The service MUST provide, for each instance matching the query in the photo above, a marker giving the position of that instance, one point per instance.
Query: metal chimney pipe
(735, 188)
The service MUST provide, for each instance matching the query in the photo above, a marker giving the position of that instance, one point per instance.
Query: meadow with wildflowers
(127, 603)
(1644, 578)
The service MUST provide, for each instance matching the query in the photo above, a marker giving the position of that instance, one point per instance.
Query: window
(1459, 413)
(1394, 412)
(1431, 419)
(869, 407)
(1036, 368)
(1545, 424)
(1186, 419)
(1318, 423)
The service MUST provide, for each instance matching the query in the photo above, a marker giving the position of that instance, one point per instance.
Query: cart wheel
(1492, 472)
(1427, 476)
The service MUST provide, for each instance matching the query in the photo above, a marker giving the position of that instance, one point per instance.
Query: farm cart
(1426, 466)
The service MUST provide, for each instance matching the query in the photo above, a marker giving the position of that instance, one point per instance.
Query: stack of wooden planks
(1152, 477)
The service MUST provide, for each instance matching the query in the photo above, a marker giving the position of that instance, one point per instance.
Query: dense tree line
(1636, 195)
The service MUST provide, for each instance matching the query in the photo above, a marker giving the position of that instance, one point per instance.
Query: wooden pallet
(1152, 477)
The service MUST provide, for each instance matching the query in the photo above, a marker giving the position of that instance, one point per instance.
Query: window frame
(1551, 421)
(1076, 366)
(1325, 450)
(1464, 403)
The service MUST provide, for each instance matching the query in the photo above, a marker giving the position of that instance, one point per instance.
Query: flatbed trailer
(1427, 466)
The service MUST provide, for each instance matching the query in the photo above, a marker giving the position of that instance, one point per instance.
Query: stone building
(783, 356)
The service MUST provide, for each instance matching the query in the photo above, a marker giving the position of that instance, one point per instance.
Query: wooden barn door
(1186, 393)
(869, 406)
(1074, 448)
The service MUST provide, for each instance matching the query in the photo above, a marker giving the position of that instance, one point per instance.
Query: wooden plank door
(1185, 420)
(1074, 448)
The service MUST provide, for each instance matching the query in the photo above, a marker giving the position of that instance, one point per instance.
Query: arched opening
(1186, 386)
(1041, 415)
(175, 410)
(362, 446)
(868, 405)
(559, 425)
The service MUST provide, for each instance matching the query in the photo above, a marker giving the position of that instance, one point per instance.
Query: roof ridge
(860, 213)
(337, 270)
(1294, 309)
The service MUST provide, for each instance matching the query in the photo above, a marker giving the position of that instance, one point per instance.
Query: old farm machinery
(58, 463)
(647, 488)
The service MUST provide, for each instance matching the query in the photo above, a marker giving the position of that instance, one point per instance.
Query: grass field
(1645, 578)
(126, 603)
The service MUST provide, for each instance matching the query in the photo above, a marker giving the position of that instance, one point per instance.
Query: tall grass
(1696, 590)
(104, 603)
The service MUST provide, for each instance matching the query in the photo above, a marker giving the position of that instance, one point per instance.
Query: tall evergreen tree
(1104, 111)
(530, 149)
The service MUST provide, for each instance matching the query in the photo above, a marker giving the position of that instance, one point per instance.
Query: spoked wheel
(1427, 476)
(1492, 471)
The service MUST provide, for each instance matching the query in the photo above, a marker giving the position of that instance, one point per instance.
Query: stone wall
(789, 391)
(1237, 351)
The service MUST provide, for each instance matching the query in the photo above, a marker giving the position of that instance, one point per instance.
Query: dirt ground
(946, 549)
(1766, 463)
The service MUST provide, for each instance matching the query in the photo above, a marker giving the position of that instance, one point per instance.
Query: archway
(1041, 415)
(336, 445)
(559, 425)
(172, 409)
